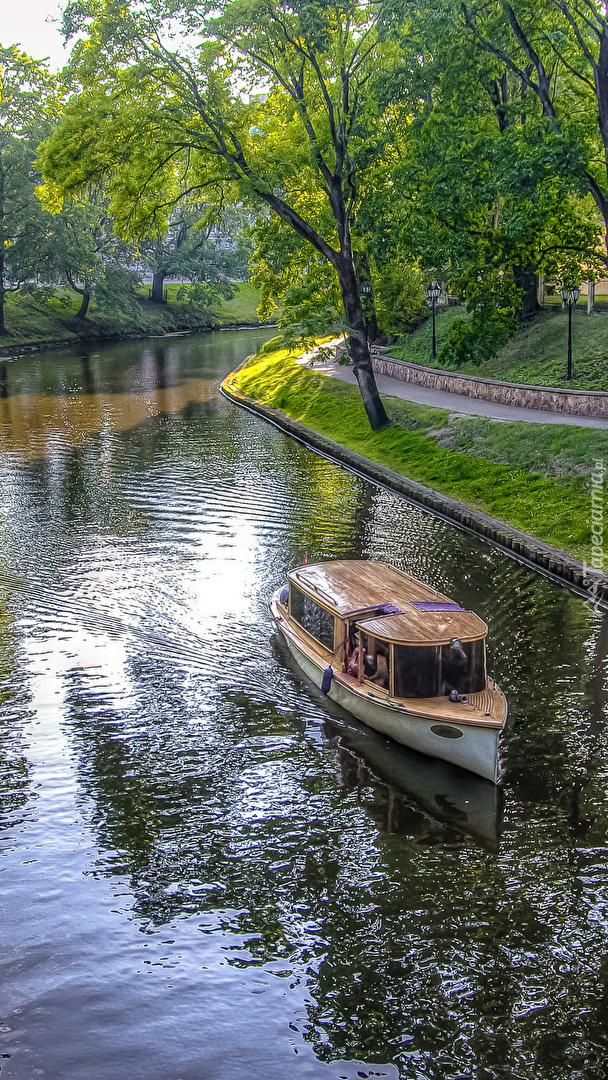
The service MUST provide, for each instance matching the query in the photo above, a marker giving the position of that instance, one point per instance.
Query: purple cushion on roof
(435, 605)
(389, 609)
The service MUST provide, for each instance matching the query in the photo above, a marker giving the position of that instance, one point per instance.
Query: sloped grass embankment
(535, 355)
(534, 477)
(44, 317)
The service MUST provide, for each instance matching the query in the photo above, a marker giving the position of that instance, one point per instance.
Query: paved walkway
(459, 403)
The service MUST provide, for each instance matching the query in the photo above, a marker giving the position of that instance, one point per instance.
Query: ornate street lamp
(365, 292)
(433, 292)
(570, 297)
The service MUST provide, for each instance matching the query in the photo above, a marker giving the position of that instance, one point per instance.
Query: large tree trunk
(84, 304)
(342, 263)
(158, 281)
(358, 346)
(527, 282)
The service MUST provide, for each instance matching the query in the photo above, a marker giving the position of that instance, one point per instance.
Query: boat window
(316, 620)
(434, 671)
(463, 667)
(416, 671)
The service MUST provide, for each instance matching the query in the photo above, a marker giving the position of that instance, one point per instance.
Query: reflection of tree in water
(332, 506)
(421, 947)
(413, 941)
(15, 769)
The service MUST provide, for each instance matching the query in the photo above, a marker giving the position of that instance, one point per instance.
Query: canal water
(209, 872)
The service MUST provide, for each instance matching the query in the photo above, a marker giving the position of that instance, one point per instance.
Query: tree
(187, 250)
(486, 191)
(88, 255)
(26, 100)
(274, 102)
(559, 51)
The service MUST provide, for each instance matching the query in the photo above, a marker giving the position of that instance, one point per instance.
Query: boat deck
(486, 709)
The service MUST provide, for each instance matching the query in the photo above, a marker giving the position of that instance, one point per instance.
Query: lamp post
(433, 292)
(570, 297)
(365, 290)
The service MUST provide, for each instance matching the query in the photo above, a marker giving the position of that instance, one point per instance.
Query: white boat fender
(328, 675)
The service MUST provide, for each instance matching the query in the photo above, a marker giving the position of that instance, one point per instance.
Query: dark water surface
(205, 873)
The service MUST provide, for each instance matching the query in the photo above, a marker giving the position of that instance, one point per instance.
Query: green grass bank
(535, 355)
(45, 317)
(533, 477)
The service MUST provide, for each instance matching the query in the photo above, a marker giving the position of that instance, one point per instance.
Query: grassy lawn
(532, 476)
(49, 316)
(416, 347)
(241, 309)
(536, 354)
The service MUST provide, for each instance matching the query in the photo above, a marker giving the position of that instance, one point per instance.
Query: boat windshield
(435, 670)
(312, 617)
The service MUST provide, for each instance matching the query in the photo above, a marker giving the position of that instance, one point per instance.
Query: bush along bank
(524, 486)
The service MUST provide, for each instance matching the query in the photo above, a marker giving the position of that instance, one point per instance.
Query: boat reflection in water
(427, 798)
(450, 796)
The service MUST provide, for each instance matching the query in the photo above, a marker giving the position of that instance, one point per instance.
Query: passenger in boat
(353, 667)
(380, 676)
(369, 665)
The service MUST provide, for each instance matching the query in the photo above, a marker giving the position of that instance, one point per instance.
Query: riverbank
(40, 320)
(526, 487)
(535, 355)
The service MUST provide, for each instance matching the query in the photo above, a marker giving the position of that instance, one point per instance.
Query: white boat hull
(475, 748)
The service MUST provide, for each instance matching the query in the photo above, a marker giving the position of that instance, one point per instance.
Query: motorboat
(397, 654)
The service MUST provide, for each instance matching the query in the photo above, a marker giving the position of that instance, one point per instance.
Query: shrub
(399, 298)
(492, 306)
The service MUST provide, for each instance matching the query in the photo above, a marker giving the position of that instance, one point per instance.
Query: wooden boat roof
(414, 627)
(350, 587)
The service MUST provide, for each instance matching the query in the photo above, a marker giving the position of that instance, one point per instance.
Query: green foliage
(88, 255)
(481, 180)
(296, 281)
(204, 294)
(558, 53)
(399, 297)
(27, 103)
(492, 307)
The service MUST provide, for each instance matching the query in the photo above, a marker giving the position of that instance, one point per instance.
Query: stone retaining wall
(547, 398)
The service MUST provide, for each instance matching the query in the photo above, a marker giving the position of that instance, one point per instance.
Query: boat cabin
(384, 627)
